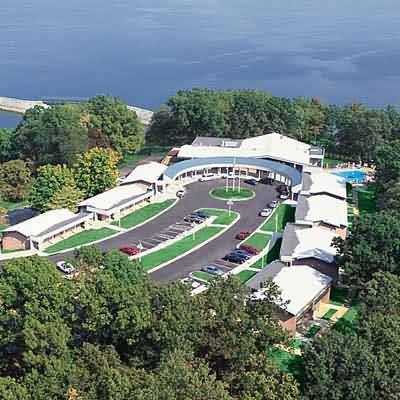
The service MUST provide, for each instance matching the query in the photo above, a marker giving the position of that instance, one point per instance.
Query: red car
(130, 250)
(243, 235)
(249, 249)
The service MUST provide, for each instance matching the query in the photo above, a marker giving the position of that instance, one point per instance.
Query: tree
(15, 180)
(110, 121)
(7, 148)
(372, 246)
(54, 135)
(96, 171)
(54, 187)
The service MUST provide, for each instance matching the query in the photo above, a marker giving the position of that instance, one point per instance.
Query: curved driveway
(197, 196)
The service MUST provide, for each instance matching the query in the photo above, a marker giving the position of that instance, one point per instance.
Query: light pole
(229, 203)
(140, 247)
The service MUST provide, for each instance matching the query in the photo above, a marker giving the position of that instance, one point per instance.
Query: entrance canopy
(175, 170)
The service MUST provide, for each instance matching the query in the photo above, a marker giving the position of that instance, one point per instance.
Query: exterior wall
(289, 324)
(14, 241)
(341, 232)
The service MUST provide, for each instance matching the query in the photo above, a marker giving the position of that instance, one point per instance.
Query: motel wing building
(272, 146)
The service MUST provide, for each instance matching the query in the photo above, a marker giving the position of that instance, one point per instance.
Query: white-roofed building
(301, 242)
(324, 183)
(273, 146)
(44, 229)
(303, 289)
(323, 210)
(112, 203)
(147, 173)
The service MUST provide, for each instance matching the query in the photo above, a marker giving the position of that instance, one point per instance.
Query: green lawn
(348, 323)
(287, 362)
(9, 205)
(329, 314)
(312, 331)
(281, 216)
(203, 276)
(223, 215)
(81, 238)
(258, 240)
(331, 162)
(223, 193)
(367, 199)
(245, 275)
(272, 255)
(168, 253)
(143, 214)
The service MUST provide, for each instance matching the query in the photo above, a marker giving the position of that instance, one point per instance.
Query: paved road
(197, 196)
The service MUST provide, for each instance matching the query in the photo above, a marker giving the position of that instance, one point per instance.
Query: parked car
(130, 250)
(240, 254)
(208, 177)
(180, 193)
(282, 189)
(265, 212)
(249, 249)
(191, 282)
(252, 182)
(273, 204)
(195, 215)
(243, 235)
(243, 252)
(194, 219)
(284, 196)
(65, 267)
(200, 214)
(266, 181)
(233, 258)
(213, 270)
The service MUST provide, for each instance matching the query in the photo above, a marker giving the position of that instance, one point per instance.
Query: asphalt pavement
(197, 196)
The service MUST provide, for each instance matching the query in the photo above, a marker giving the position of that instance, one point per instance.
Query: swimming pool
(352, 176)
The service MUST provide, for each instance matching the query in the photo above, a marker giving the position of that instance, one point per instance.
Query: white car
(273, 204)
(265, 212)
(180, 193)
(65, 267)
(208, 177)
(284, 196)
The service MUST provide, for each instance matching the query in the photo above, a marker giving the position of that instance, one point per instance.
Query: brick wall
(14, 241)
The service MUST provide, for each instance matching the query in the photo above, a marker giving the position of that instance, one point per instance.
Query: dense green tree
(96, 171)
(387, 164)
(54, 187)
(54, 135)
(7, 147)
(373, 245)
(110, 121)
(15, 180)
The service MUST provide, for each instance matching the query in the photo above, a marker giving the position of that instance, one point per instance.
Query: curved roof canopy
(214, 162)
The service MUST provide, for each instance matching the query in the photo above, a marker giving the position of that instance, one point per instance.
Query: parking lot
(170, 224)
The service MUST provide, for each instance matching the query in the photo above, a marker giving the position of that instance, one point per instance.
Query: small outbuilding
(116, 201)
(44, 229)
(303, 290)
(148, 173)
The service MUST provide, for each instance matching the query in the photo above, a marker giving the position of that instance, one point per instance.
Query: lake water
(145, 50)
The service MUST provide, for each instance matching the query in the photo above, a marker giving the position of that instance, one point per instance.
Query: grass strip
(174, 250)
(280, 217)
(203, 276)
(223, 217)
(245, 275)
(223, 193)
(329, 314)
(143, 214)
(81, 238)
(312, 331)
(258, 240)
(367, 199)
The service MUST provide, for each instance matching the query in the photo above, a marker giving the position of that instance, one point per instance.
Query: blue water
(145, 50)
(352, 176)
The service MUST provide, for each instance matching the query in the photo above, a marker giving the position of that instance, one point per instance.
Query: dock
(20, 106)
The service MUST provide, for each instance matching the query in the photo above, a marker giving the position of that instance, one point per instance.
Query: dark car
(243, 235)
(194, 219)
(282, 189)
(251, 182)
(240, 254)
(201, 214)
(130, 250)
(249, 249)
(234, 259)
